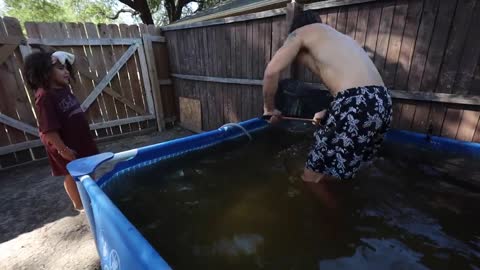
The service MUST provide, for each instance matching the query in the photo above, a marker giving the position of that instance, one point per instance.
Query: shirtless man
(360, 113)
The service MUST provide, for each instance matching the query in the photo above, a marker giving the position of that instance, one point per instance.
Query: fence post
(293, 9)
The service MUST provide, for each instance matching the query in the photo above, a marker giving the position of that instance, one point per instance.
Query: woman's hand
(67, 153)
(317, 119)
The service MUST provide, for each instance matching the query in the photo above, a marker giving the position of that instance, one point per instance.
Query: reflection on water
(380, 253)
(248, 209)
(242, 244)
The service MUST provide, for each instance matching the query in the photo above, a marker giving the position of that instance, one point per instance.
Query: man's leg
(72, 191)
(319, 184)
(314, 177)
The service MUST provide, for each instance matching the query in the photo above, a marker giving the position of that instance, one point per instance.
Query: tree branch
(123, 10)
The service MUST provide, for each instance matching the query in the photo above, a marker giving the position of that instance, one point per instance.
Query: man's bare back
(336, 58)
(360, 112)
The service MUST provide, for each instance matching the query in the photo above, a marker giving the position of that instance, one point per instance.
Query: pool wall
(120, 245)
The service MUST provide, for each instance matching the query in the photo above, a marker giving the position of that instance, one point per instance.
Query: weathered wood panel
(121, 107)
(417, 45)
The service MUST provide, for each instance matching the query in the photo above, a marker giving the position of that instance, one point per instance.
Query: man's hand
(276, 116)
(318, 117)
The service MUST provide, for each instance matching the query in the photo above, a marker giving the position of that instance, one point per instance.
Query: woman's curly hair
(38, 68)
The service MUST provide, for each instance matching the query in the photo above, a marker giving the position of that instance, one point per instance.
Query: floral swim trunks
(356, 122)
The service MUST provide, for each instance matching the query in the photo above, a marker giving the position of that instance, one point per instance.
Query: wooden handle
(298, 119)
(267, 117)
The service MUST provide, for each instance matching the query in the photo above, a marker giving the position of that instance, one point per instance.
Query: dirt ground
(39, 228)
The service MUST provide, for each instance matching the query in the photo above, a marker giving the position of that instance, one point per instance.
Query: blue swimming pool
(121, 245)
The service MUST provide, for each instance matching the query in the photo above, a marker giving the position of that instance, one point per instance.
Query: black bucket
(298, 99)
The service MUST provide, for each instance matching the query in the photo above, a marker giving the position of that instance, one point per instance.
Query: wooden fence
(120, 70)
(426, 50)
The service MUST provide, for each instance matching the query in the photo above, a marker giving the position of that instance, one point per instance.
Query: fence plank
(162, 61)
(408, 112)
(362, 22)
(420, 118)
(257, 52)
(125, 89)
(6, 51)
(125, 101)
(14, 99)
(111, 73)
(334, 3)
(154, 79)
(451, 61)
(437, 117)
(139, 92)
(476, 136)
(12, 122)
(470, 56)
(130, 68)
(395, 42)
(116, 110)
(238, 66)
(24, 108)
(475, 85)
(384, 31)
(95, 58)
(210, 92)
(220, 70)
(468, 124)
(144, 80)
(228, 20)
(227, 95)
(374, 16)
(342, 20)
(408, 43)
(422, 44)
(352, 18)
(204, 97)
(83, 42)
(452, 122)
(249, 72)
(438, 42)
(332, 17)
(5, 159)
(124, 121)
(440, 35)
(397, 112)
(458, 35)
(233, 96)
(81, 84)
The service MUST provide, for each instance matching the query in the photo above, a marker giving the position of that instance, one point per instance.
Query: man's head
(304, 18)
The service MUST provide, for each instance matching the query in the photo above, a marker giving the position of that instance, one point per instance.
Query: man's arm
(282, 58)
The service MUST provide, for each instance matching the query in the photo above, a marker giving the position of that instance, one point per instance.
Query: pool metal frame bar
(120, 245)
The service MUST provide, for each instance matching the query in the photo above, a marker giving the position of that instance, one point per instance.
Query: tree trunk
(174, 12)
(142, 7)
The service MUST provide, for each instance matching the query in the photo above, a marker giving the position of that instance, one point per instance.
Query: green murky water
(248, 209)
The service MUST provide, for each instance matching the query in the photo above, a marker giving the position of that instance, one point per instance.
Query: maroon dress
(58, 110)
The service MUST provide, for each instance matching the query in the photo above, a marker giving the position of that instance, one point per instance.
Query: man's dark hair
(38, 68)
(304, 18)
